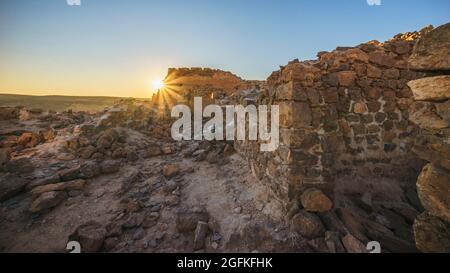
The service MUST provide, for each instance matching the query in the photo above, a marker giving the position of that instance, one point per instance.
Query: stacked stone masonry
(346, 112)
(431, 112)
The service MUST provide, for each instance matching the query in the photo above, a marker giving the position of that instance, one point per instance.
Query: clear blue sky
(116, 47)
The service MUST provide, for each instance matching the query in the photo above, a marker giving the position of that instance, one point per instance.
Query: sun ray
(157, 84)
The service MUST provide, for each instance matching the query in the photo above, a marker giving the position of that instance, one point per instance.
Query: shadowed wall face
(345, 113)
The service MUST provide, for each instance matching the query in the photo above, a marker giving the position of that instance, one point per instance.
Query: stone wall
(346, 112)
(377, 110)
(431, 112)
(181, 85)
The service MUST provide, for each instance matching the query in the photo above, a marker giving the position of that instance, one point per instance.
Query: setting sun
(157, 84)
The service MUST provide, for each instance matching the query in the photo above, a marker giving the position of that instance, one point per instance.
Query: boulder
(432, 50)
(51, 179)
(107, 138)
(29, 140)
(426, 117)
(10, 186)
(433, 188)
(314, 200)
(432, 234)
(333, 223)
(431, 88)
(387, 239)
(65, 186)
(353, 245)
(333, 242)
(152, 151)
(171, 170)
(307, 224)
(187, 221)
(47, 200)
(91, 237)
(352, 223)
(70, 173)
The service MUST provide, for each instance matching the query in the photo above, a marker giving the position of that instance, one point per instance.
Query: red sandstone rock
(29, 140)
(353, 245)
(171, 170)
(432, 235)
(431, 89)
(314, 200)
(346, 78)
(65, 186)
(433, 187)
(47, 200)
(381, 58)
(432, 51)
(90, 236)
(307, 225)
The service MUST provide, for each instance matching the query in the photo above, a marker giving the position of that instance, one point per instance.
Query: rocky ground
(117, 183)
(120, 190)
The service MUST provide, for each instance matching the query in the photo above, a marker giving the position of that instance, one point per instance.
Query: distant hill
(59, 103)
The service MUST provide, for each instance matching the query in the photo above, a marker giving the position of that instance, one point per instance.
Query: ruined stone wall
(346, 112)
(181, 85)
(431, 112)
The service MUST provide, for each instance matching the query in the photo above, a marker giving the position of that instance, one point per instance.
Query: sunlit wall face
(115, 48)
